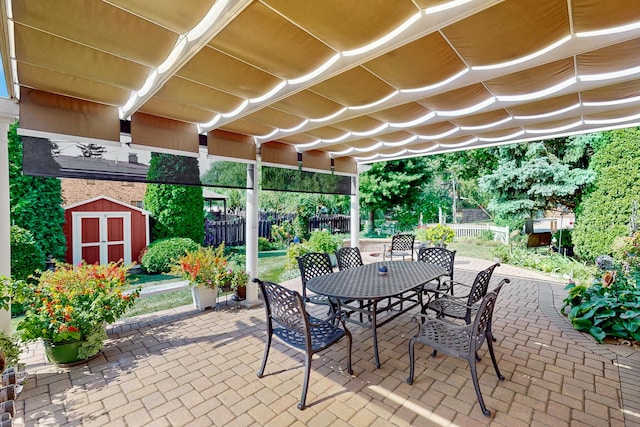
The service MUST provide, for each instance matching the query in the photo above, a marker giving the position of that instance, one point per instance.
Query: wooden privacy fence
(333, 223)
(472, 231)
(232, 232)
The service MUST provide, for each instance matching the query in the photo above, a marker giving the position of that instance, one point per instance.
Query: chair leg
(266, 355)
(412, 342)
(305, 385)
(476, 385)
(493, 355)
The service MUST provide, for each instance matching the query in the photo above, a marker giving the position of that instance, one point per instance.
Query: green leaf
(629, 314)
(581, 324)
(597, 333)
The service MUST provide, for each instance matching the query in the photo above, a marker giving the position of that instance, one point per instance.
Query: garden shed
(102, 230)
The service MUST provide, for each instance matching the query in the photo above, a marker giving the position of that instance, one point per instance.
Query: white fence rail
(471, 231)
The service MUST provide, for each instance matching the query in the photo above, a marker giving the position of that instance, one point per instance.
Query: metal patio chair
(289, 321)
(462, 307)
(348, 258)
(402, 245)
(314, 264)
(442, 257)
(461, 341)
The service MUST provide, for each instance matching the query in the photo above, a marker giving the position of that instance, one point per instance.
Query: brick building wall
(77, 190)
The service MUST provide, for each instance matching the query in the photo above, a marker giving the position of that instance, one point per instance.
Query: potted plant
(69, 307)
(237, 280)
(10, 345)
(206, 269)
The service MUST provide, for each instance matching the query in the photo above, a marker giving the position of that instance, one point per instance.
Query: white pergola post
(251, 235)
(8, 115)
(355, 211)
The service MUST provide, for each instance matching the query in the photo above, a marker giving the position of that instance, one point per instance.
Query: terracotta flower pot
(241, 293)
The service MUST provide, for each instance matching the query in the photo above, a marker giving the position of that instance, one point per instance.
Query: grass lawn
(271, 266)
(480, 250)
(153, 279)
(160, 302)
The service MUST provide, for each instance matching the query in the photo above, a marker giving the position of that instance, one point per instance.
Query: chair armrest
(459, 301)
(340, 315)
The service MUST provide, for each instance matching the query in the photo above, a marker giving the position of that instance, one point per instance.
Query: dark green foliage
(26, 256)
(162, 253)
(226, 174)
(306, 209)
(605, 210)
(177, 209)
(274, 178)
(563, 237)
(323, 241)
(388, 185)
(606, 308)
(536, 176)
(36, 202)
(264, 244)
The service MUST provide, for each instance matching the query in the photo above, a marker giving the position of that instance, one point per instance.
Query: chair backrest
(313, 264)
(484, 316)
(481, 285)
(348, 258)
(482, 320)
(439, 256)
(284, 307)
(402, 242)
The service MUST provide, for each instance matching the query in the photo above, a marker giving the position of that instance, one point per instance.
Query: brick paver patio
(184, 367)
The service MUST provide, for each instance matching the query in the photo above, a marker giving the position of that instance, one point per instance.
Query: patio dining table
(401, 286)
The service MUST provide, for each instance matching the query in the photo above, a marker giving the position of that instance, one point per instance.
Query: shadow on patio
(183, 367)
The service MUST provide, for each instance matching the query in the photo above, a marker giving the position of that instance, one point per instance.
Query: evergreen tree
(393, 184)
(36, 202)
(537, 176)
(178, 210)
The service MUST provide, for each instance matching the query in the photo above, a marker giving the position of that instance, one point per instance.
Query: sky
(3, 84)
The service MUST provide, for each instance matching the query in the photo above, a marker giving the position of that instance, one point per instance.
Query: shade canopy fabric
(353, 81)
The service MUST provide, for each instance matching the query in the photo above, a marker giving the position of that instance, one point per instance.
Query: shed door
(101, 237)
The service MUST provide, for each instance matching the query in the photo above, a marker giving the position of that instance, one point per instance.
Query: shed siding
(138, 227)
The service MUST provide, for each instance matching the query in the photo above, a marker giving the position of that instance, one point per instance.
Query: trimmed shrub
(437, 234)
(604, 212)
(162, 253)
(26, 256)
(264, 244)
(36, 202)
(177, 209)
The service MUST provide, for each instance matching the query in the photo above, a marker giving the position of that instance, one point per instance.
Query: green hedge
(162, 253)
(26, 256)
(605, 211)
